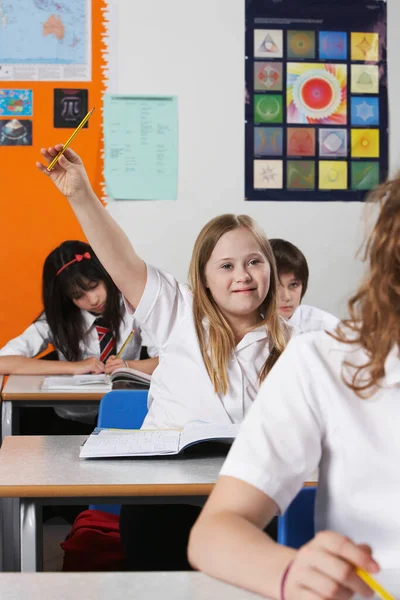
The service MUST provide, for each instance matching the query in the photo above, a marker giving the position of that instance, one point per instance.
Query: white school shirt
(37, 337)
(306, 417)
(309, 318)
(181, 389)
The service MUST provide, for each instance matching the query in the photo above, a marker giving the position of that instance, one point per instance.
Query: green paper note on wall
(141, 147)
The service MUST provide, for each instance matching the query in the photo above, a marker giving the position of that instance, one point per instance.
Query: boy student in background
(293, 273)
(219, 337)
(333, 402)
(85, 319)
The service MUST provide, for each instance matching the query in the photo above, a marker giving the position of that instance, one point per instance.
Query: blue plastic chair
(296, 525)
(121, 409)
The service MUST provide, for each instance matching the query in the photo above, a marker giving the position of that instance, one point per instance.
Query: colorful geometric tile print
(364, 110)
(268, 76)
(333, 143)
(268, 141)
(316, 99)
(365, 143)
(301, 141)
(317, 93)
(332, 175)
(364, 175)
(365, 46)
(301, 44)
(268, 174)
(364, 79)
(268, 108)
(332, 45)
(300, 174)
(268, 43)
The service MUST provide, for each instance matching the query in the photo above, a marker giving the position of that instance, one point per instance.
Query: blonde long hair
(374, 310)
(221, 342)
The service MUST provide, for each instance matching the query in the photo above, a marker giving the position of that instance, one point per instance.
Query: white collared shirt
(181, 390)
(306, 417)
(36, 338)
(310, 318)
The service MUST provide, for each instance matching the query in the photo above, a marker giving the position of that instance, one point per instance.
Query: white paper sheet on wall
(141, 147)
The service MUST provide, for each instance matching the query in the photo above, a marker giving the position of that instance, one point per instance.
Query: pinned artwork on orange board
(316, 102)
(35, 218)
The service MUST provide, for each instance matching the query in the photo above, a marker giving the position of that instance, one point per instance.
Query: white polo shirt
(37, 337)
(306, 417)
(181, 390)
(309, 318)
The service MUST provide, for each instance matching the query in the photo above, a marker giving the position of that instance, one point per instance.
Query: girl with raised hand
(218, 338)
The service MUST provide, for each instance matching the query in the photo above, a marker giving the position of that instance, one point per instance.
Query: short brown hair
(289, 259)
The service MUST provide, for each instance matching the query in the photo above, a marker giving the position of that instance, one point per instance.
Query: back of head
(69, 269)
(221, 337)
(289, 259)
(375, 309)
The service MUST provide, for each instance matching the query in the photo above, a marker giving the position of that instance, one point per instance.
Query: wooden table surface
(28, 387)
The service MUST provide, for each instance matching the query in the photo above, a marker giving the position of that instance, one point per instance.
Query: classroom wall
(35, 218)
(195, 50)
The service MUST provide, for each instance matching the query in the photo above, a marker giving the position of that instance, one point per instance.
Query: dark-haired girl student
(85, 319)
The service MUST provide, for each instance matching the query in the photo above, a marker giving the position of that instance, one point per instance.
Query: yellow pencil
(374, 585)
(125, 344)
(69, 140)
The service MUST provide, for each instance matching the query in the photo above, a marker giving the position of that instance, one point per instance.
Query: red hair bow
(78, 258)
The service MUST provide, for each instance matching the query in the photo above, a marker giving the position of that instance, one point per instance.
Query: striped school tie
(106, 338)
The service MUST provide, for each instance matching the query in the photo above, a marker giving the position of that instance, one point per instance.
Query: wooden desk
(25, 390)
(144, 586)
(41, 470)
(47, 470)
(117, 586)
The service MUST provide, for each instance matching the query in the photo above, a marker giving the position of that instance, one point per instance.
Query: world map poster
(45, 40)
(316, 104)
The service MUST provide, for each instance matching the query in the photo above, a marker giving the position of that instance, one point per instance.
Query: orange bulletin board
(35, 217)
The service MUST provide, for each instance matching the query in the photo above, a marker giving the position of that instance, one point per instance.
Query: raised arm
(106, 237)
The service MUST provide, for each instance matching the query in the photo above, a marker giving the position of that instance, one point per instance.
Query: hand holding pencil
(70, 139)
(331, 566)
(116, 362)
(67, 171)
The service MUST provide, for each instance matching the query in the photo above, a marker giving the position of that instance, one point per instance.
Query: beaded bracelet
(283, 580)
(126, 364)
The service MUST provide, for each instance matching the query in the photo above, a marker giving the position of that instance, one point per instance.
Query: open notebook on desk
(72, 382)
(96, 382)
(104, 443)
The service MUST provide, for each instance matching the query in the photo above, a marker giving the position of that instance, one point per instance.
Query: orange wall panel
(35, 217)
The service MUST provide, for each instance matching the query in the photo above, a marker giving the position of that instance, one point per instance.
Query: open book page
(68, 382)
(134, 374)
(199, 432)
(131, 443)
